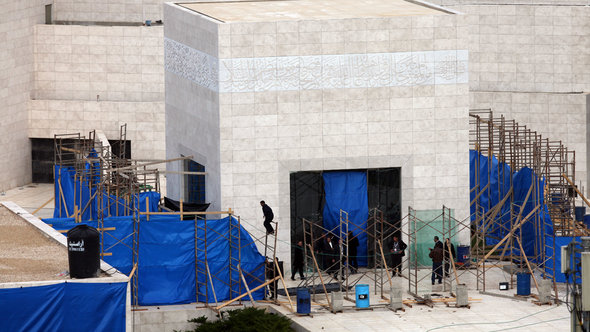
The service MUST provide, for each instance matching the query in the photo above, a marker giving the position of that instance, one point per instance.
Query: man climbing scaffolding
(268, 217)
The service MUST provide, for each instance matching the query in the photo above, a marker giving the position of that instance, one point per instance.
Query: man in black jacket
(297, 265)
(397, 249)
(437, 258)
(331, 254)
(268, 217)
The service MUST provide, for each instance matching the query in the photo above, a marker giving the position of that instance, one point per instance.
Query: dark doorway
(42, 156)
(307, 197)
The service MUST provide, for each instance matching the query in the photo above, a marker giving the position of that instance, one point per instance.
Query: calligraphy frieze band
(308, 72)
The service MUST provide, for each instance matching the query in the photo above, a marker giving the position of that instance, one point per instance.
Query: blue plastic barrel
(587, 220)
(303, 301)
(580, 211)
(362, 296)
(523, 284)
(463, 255)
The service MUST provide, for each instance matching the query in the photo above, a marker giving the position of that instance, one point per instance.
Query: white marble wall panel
(134, 11)
(145, 122)
(16, 73)
(114, 63)
(557, 116)
(338, 71)
(529, 46)
(319, 96)
(195, 66)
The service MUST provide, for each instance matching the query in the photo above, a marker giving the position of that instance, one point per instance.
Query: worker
(268, 217)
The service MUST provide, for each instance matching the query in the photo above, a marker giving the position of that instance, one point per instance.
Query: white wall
(145, 122)
(284, 105)
(16, 77)
(118, 63)
(107, 10)
(530, 61)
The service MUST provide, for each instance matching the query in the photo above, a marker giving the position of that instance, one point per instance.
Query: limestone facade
(531, 62)
(288, 96)
(16, 78)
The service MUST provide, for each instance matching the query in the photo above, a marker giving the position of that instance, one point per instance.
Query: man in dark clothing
(437, 258)
(297, 265)
(448, 256)
(268, 217)
(353, 244)
(331, 253)
(396, 250)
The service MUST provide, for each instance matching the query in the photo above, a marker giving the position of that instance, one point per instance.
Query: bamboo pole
(576, 189)
(44, 204)
(315, 263)
(147, 164)
(509, 234)
(247, 288)
(283, 282)
(147, 207)
(452, 261)
(132, 271)
(245, 294)
(211, 282)
(385, 264)
(527, 264)
(63, 199)
(191, 213)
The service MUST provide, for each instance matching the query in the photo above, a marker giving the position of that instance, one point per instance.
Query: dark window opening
(48, 18)
(194, 184)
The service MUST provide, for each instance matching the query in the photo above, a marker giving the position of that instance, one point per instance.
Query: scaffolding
(510, 144)
(326, 272)
(109, 182)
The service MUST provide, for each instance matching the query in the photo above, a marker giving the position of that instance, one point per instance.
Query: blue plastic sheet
(64, 307)
(218, 258)
(500, 177)
(166, 270)
(78, 193)
(166, 262)
(347, 191)
(64, 201)
(553, 263)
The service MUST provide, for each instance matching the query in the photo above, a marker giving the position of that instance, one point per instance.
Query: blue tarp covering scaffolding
(64, 306)
(501, 178)
(81, 192)
(166, 268)
(347, 191)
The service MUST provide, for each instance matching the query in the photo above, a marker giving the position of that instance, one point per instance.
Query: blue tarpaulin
(64, 307)
(166, 262)
(78, 193)
(559, 242)
(218, 256)
(347, 191)
(166, 269)
(500, 178)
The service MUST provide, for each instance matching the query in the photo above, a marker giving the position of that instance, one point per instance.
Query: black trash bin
(84, 252)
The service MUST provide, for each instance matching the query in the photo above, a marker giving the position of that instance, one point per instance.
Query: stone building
(258, 95)
(279, 92)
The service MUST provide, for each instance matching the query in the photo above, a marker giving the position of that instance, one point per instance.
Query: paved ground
(31, 197)
(486, 313)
